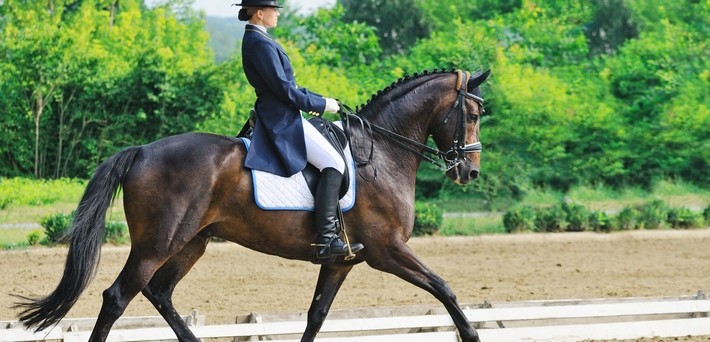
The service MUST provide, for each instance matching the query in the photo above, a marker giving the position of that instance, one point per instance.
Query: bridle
(457, 153)
(452, 157)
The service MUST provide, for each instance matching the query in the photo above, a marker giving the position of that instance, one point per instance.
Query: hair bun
(243, 16)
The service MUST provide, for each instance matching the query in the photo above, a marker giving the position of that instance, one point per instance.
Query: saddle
(332, 133)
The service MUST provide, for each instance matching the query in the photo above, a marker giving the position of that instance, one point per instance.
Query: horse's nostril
(473, 174)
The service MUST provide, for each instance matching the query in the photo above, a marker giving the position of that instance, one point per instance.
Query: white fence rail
(570, 320)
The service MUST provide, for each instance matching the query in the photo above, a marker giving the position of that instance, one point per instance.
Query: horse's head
(406, 113)
(456, 132)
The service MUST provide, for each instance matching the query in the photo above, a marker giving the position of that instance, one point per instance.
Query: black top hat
(257, 3)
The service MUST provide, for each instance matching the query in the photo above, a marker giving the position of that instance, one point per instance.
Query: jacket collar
(258, 29)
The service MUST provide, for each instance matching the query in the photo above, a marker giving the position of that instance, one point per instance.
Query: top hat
(257, 3)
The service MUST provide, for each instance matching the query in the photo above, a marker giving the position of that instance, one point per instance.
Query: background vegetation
(600, 94)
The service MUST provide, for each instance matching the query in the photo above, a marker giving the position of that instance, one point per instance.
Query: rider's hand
(331, 105)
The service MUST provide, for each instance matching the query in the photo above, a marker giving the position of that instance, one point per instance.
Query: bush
(706, 215)
(551, 219)
(683, 218)
(55, 227)
(116, 233)
(33, 238)
(577, 217)
(599, 221)
(427, 218)
(653, 214)
(627, 219)
(519, 219)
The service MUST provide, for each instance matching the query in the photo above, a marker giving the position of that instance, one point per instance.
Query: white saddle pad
(273, 192)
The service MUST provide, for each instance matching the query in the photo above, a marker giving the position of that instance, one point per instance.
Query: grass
(16, 238)
(463, 224)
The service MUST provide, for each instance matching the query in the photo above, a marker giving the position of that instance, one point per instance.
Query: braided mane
(397, 83)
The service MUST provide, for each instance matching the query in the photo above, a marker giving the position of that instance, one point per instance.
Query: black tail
(86, 236)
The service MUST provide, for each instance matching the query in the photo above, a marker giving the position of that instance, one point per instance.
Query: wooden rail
(530, 321)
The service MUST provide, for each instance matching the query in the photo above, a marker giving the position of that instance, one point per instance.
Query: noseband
(453, 156)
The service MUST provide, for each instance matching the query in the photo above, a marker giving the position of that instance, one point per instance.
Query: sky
(222, 8)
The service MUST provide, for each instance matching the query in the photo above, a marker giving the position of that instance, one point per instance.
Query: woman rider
(283, 141)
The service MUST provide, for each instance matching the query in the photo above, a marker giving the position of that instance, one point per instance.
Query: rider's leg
(323, 156)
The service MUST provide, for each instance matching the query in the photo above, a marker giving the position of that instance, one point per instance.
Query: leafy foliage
(552, 219)
(652, 214)
(577, 217)
(684, 218)
(102, 76)
(395, 34)
(519, 219)
(23, 191)
(604, 92)
(566, 217)
(56, 227)
(33, 238)
(600, 221)
(628, 218)
(326, 39)
(116, 233)
(427, 218)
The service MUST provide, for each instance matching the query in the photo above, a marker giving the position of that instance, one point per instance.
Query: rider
(283, 141)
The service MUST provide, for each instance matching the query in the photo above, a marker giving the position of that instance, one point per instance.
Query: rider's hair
(247, 12)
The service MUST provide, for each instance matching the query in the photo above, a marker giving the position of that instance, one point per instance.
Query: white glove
(331, 105)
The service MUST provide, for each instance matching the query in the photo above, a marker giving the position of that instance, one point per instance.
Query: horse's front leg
(399, 259)
(330, 279)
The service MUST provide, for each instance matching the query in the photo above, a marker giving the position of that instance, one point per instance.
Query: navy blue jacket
(278, 145)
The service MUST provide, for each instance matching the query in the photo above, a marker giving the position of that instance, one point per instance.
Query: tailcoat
(278, 144)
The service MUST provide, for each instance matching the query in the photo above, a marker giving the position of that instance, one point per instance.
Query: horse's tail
(86, 236)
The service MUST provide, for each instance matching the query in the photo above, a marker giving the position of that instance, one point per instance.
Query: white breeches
(319, 152)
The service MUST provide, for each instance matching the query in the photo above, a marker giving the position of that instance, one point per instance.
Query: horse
(182, 190)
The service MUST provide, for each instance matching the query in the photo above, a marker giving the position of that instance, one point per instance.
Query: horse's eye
(473, 117)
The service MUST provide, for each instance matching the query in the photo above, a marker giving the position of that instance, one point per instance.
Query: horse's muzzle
(463, 173)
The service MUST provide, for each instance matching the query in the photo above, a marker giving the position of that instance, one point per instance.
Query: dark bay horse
(181, 190)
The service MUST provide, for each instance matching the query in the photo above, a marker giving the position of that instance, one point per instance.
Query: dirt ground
(231, 280)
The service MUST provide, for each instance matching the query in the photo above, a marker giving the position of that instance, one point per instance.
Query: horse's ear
(478, 78)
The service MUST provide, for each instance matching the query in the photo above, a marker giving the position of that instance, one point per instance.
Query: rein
(452, 157)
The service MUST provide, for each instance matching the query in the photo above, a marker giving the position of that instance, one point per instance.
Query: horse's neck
(406, 111)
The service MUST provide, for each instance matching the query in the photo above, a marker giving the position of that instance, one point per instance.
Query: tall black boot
(328, 243)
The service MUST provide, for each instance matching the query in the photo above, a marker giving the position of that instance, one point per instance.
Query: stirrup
(325, 253)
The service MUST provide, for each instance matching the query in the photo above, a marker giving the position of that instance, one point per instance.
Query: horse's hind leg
(401, 261)
(160, 288)
(330, 279)
(132, 279)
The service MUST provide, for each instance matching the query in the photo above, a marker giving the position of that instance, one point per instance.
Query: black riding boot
(328, 243)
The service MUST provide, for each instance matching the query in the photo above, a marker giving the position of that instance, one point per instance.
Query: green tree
(399, 23)
(612, 26)
(93, 77)
(327, 38)
(647, 74)
(438, 14)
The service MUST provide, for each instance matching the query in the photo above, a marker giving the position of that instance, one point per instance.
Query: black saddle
(335, 136)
